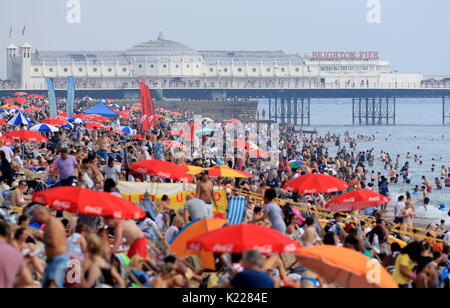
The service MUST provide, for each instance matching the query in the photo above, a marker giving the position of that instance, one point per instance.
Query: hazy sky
(413, 34)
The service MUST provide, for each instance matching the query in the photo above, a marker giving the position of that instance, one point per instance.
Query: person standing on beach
(104, 145)
(273, 212)
(55, 241)
(205, 192)
(426, 198)
(384, 190)
(66, 165)
(159, 149)
(398, 210)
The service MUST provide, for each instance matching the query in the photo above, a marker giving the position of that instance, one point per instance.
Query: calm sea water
(418, 131)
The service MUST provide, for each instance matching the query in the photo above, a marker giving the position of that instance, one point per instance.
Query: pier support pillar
(373, 110)
(295, 111)
(446, 110)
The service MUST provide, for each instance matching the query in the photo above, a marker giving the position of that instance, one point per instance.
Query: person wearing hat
(144, 154)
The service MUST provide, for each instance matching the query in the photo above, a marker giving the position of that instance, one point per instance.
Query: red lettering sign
(218, 196)
(342, 55)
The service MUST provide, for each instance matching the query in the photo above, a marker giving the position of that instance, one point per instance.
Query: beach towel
(236, 209)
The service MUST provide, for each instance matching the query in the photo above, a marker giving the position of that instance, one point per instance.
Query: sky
(412, 34)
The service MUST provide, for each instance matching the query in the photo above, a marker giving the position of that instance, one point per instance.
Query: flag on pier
(51, 98)
(70, 104)
(148, 112)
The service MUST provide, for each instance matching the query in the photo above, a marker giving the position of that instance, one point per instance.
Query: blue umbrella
(44, 128)
(19, 119)
(126, 130)
(68, 125)
(77, 121)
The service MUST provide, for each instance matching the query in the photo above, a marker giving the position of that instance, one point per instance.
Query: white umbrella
(44, 128)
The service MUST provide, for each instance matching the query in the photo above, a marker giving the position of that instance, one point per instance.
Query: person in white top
(173, 230)
(76, 243)
(7, 150)
(112, 171)
(398, 209)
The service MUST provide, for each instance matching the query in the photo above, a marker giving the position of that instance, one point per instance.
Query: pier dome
(163, 50)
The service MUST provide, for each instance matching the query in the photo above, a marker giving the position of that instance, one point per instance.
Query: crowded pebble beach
(97, 202)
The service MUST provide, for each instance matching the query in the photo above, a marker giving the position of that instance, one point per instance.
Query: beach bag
(99, 178)
(329, 225)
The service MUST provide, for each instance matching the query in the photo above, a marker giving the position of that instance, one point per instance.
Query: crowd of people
(43, 248)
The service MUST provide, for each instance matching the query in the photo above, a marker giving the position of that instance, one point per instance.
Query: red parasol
(93, 117)
(33, 108)
(20, 100)
(26, 135)
(82, 201)
(95, 125)
(57, 121)
(175, 145)
(162, 169)
(240, 238)
(356, 200)
(259, 154)
(316, 183)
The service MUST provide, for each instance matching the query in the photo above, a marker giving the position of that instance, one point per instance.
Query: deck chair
(236, 210)
(147, 206)
(126, 272)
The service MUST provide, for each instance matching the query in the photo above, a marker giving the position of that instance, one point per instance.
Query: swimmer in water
(438, 183)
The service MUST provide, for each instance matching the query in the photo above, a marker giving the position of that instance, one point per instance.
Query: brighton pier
(289, 81)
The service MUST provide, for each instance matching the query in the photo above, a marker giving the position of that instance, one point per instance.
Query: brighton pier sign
(345, 55)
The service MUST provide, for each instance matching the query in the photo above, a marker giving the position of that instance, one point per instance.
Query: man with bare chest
(205, 192)
(54, 238)
(104, 146)
(134, 237)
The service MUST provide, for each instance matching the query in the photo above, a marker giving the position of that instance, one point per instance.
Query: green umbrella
(295, 164)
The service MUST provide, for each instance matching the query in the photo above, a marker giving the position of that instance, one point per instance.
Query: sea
(418, 130)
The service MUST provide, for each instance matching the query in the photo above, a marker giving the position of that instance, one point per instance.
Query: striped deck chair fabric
(236, 210)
